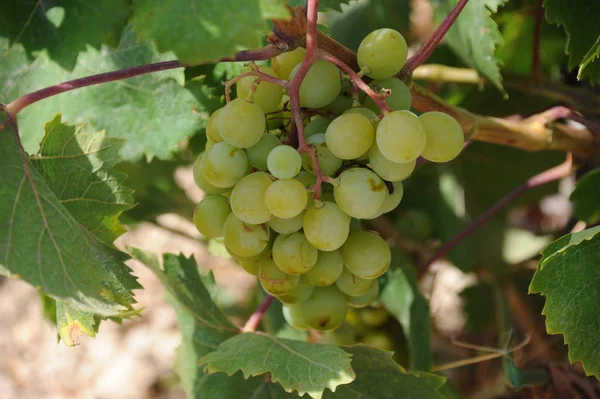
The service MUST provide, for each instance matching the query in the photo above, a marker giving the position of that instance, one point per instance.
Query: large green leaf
(300, 366)
(581, 21)
(401, 297)
(585, 197)
(135, 109)
(379, 377)
(204, 30)
(44, 244)
(474, 36)
(63, 27)
(568, 277)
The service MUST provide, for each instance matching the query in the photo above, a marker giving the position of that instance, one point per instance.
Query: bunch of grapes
(307, 251)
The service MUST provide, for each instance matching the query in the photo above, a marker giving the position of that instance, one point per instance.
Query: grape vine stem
(254, 320)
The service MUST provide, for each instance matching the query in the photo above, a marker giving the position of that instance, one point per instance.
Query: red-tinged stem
(536, 66)
(357, 81)
(254, 320)
(17, 105)
(312, 15)
(550, 175)
(261, 76)
(425, 51)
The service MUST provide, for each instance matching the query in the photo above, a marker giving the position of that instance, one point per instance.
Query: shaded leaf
(300, 366)
(588, 59)
(585, 197)
(568, 276)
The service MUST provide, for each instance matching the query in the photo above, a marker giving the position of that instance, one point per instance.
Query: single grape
(365, 299)
(341, 104)
(328, 162)
(248, 198)
(258, 153)
(318, 125)
(327, 269)
(320, 86)
(350, 135)
(285, 62)
(401, 136)
(308, 181)
(325, 310)
(286, 198)
(224, 165)
(352, 285)
(286, 226)
(383, 52)
(201, 182)
(399, 98)
(241, 123)
(210, 215)
(267, 94)
(212, 131)
(273, 280)
(388, 170)
(445, 137)
(366, 112)
(327, 227)
(374, 317)
(251, 266)
(360, 192)
(378, 339)
(392, 200)
(366, 255)
(293, 254)
(300, 294)
(293, 316)
(245, 239)
(284, 162)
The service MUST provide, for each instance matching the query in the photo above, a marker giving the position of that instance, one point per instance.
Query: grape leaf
(63, 27)
(378, 376)
(306, 368)
(134, 109)
(72, 322)
(402, 298)
(204, 30)
(323, 4)
(568, 276)
(474, 35)
(42, 243)
(585, 197)
(581, 22)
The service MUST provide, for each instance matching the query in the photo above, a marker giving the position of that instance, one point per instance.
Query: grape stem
(536, 66)
(254, 320)
(556, 173)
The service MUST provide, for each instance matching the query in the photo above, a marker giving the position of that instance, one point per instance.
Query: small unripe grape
(201, 181)
(388, 170)
(267, 95)
(293, 254)
(320, 86)
(328, 268)
(445, 138)
(350, 135)
(284, 162)
(286, 226)
(273, 280)
(365, 299)
(224, 165)
(326, 308)
(241, 124)
(285, 62)
(366, 255)
(245, 239)
(286, 198)
(248, 198)
(327, 227)
(328, 162)
(258, 153)
(210, 215)
(360, 192)
(212, 131)
(383, 52)
(401, 136)
(399, 98)
(300, 294)
(353, 285)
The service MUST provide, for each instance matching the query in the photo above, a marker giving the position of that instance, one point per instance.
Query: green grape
(445, 137)
(293, 254)
(399, 98)
(293, 316)
(383, 52)
(350, 135)
(366, 255)
(251, 266)
(340, 104)
(318, 125)
(209, 144)
(300, 294)
(285, 62)
(273, 280)
(286, 226)
(245, 239)
(328, 162)
(388, 170)
(308, 181)
(210, 215)
(286, 198)
(327, 227)
(258, 153)
(392, 200)
(248, 198)
(374, 317)
(416, 224)
(352, 285)
(267, 95)
(212, 132)
(284, 162)
(320, 86)
(325, 310)
(365, 299)
(241, 123)
(201, 182)
(327, 269)
(401, 136)
(366, 112)
(224, 165)
(359, 193)
(378, 339)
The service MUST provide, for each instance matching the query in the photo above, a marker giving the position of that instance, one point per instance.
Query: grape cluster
(308, 252)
